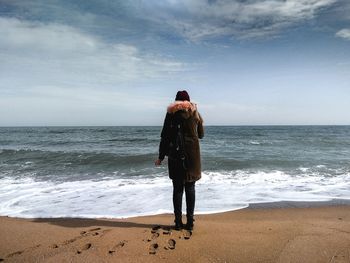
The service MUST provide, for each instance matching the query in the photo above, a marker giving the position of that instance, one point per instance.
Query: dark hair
(182, 95)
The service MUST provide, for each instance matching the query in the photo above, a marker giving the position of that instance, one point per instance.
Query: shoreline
(261, 205)
(320, 233)
(300, 204)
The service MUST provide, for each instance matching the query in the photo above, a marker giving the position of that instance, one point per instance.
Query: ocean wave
(131, 140)
(75, 158)
(125, 197)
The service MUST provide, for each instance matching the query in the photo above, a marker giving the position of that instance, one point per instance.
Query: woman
(182, 115)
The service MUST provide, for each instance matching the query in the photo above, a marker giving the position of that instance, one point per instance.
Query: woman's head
(182, 95)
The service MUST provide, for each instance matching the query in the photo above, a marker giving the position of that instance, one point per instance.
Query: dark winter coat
(193, 131)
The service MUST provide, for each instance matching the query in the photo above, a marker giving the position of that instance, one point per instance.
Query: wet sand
(290, 234)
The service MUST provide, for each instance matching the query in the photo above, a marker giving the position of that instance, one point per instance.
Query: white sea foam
(120, 197)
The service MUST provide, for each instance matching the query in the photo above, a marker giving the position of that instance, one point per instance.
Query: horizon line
(210, 125)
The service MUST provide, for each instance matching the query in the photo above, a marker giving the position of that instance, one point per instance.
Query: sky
(121, 62)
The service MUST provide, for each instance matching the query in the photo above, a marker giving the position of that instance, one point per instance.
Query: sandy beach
(317, 234)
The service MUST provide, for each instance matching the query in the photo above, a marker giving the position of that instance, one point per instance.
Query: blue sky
(121, 62)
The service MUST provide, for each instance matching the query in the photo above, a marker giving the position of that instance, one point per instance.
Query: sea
(94, 172)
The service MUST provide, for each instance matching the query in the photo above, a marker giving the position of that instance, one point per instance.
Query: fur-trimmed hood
(186, 106)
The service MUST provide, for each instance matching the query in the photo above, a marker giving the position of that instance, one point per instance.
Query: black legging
(178, 189)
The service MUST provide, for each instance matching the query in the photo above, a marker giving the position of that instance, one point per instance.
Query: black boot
(178, 223)
(189, 224)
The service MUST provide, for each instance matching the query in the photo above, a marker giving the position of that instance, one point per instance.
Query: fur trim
(182, 105)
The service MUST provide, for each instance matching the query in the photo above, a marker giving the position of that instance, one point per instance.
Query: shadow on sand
(86, 222)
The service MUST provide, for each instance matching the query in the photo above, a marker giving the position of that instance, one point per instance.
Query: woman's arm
(164, 141)
(200, 129)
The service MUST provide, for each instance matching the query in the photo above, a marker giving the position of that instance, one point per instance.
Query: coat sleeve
(200, 128)
(165, 138)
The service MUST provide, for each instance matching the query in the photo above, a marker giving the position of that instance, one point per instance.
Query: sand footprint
(94, 229)
(187, 234)
(94, 232)
(54, 246)
(83, 234)
(170, 244)
(117, 246)
(85, 247)
(14, 254)
(166, 231)
(153, 248)
(17, 253)
(155, 229)
(69, 241)
(91, 231)
(154, 236)
(341, 257)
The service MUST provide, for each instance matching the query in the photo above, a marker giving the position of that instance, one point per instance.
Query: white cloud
(344, 33)
(17, 34)
(199, 19)
(52, 53)
(53, 74)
